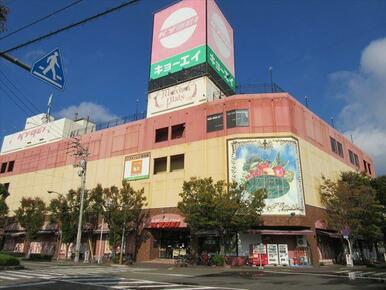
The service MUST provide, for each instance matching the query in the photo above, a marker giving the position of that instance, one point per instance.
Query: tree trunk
(221, 240)
(27, 245)
(67, 247)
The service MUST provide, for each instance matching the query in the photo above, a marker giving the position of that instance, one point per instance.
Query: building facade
(197, 126)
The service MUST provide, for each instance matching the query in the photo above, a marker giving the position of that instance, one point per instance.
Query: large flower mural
(270, 163)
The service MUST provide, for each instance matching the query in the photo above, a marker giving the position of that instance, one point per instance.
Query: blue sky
(331, 51)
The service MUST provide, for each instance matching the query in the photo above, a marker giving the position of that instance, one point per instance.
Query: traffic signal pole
(14, 60)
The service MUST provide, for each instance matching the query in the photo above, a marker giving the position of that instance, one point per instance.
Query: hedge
(7, 260)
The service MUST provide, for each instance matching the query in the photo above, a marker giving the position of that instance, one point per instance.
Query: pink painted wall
(268, 113)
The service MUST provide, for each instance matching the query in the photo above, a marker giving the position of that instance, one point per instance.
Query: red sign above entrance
(167, 221)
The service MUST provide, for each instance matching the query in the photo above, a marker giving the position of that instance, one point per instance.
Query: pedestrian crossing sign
(49, 68)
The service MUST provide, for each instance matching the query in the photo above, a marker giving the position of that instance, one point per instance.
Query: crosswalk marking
(7, 277)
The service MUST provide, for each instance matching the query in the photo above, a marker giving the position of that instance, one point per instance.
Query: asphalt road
(89, 276)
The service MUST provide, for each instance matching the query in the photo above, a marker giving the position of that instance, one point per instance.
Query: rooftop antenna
(49, 105)
(270, 77)
(136, 108)
(306, 99)
(332, 122)
(352, 139)
(76, 116)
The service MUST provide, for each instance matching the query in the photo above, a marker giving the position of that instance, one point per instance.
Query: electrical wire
(108, 11)
(56, 130)
(40, 19)
(25, 97)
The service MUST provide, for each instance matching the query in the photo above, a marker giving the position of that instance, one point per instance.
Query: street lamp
(60, 230)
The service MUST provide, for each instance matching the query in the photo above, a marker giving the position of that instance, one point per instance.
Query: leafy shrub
(13, 254)
(7, 260)
(218, 260)
(40, 257)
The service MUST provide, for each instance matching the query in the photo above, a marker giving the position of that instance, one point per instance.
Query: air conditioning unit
(301, 241)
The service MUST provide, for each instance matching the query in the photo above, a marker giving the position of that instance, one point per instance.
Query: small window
(365, 165)
(3, 167)
(177, 162)
(369, 168)
(356, 159)
(237, 118)
(351, 155)
(214, 122)
(178, 131)
(340, 149)
(160, 165)
(161, 134)
(333, 145)
(11, 164)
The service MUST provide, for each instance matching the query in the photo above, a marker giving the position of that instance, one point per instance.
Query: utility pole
(81, 154)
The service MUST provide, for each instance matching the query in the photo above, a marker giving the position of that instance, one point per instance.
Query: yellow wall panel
(206, 158)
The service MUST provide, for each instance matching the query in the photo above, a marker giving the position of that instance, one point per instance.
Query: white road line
(7, 278)
(31, 274)
(165, 274)
(18, 275)
(27, 284)
(379, 274)
(98, 279)
(367, 273)
(321, 275)
(345, 271)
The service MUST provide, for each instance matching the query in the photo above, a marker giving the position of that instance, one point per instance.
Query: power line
(20, 92)
(56, 130)
(108, 11)
(17, 104)
(41, 19)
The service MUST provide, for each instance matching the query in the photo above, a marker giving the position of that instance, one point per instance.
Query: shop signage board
(190, 33)
(269, 163)
(182, 95)
(220, 37)
(137, 167)
(273, 257)
(283, 254)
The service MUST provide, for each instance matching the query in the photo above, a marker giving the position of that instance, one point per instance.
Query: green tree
(3, 212)
(137, 217)
(351, 202)
(3, 205)
(65, 212)
(123, 211)
(226, 208)
(379, 184)
(31, 216)
(3, 15)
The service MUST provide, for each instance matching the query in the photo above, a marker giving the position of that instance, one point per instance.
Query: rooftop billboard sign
(190, 33)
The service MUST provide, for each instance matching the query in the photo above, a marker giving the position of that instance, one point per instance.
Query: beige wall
(202, 158)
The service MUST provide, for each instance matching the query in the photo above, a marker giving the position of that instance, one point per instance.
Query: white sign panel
(137, 167)
(34, 136)
(182, 95)
(273, 257)
(283, 254)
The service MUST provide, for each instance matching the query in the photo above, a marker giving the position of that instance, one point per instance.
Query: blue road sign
(50, 69)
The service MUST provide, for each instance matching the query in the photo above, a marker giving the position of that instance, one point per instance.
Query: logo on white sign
(220, 35)
(178, 27)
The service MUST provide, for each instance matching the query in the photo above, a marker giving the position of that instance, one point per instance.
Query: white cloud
(364, 92)
(97, 113)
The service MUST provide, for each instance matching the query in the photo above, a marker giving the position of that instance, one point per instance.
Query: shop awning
(329, 234)
(167, 221)
(282, 232)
